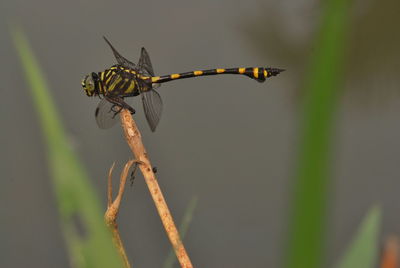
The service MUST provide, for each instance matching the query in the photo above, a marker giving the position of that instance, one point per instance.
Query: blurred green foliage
(307, 226)
(355, 49)
(363, 250)
(88, 240)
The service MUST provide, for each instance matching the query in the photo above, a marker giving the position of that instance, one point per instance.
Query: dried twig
(134, 141)
(113, 209)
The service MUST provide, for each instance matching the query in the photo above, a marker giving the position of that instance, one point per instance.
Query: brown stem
(134, 141)
(113, 208)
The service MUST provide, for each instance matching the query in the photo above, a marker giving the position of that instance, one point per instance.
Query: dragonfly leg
(136, 163)
(135, 166)
(117, 101)
(115, 108)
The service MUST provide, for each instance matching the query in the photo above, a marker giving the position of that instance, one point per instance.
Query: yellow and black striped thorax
(121, 81)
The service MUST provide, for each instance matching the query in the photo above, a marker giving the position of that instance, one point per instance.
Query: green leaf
(363, 250)
(88, 240)
(307, 226)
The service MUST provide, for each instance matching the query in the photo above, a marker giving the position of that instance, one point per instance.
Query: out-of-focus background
(227, 140)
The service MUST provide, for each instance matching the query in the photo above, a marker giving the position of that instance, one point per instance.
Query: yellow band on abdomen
(155, 79)
(255, 72)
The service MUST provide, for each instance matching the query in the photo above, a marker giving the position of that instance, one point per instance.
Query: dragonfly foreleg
(119, 102)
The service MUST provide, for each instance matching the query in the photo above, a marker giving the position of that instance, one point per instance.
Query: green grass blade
(184, 226)
(307, 221)
(363, 250)
(76, 199)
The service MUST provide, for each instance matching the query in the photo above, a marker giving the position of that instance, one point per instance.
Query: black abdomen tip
(274, 71)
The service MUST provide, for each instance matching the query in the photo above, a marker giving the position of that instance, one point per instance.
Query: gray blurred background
(228, 140)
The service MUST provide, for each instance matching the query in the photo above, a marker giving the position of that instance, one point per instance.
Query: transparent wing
(121, 60)
(155, 85)
(144, 64)
(152, 105)
(105, 116)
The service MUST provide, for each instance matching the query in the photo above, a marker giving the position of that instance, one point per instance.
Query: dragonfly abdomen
(257, 73)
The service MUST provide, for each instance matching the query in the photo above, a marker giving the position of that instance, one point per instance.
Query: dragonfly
(127, 79)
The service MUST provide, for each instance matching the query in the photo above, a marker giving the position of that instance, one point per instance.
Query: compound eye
(95, 77)
(89, 83)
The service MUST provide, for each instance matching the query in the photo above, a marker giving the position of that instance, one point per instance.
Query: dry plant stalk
(134, 140)
(113, 209)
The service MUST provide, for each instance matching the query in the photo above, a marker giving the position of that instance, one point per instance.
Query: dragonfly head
(90, 84)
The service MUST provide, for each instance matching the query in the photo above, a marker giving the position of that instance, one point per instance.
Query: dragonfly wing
(120, 59)
(152, 105)
(144, 65)
(105, 116)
